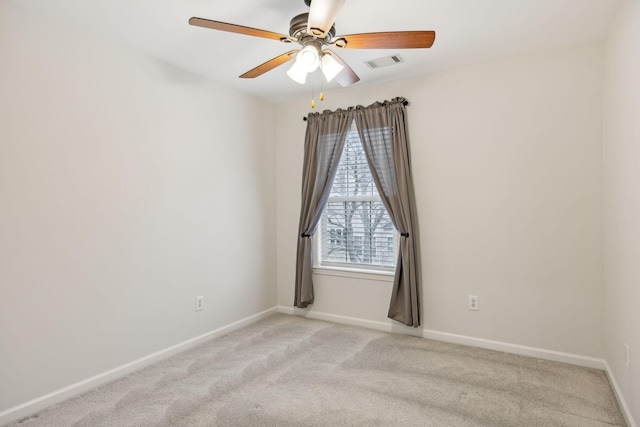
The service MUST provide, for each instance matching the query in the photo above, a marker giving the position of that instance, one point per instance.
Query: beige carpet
(288, 371)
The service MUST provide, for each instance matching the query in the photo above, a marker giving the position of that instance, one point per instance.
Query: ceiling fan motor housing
(298, 29)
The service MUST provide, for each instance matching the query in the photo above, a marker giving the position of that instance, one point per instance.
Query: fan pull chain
(313, 101)
(313, 95)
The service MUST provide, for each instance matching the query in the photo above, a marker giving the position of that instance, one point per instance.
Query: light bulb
(308, 58)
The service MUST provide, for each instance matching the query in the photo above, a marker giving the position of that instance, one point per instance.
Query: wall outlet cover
(474, 302)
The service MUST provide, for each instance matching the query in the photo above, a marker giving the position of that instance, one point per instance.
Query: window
(355, 229)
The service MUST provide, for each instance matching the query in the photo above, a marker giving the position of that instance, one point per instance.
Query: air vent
(384, 62)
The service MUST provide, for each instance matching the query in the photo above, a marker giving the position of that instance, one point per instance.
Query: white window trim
(353, 273)
(358, 271)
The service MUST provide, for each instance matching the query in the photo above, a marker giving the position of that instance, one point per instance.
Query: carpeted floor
(288, 371)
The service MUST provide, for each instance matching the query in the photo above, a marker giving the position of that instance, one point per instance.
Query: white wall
(507, 169)
(622, 202)
(127, 188)
(116, 206)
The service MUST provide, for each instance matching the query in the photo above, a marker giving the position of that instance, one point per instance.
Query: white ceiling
(467, 32)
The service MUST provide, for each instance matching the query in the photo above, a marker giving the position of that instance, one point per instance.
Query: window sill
(354, 273)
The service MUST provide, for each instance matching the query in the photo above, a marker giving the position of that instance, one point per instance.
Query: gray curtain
(324, 140)
(383, 131)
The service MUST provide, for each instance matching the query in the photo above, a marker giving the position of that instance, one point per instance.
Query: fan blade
(269, 65)
(388, 40)
(322, 15)
(347, 76)
(233, 28)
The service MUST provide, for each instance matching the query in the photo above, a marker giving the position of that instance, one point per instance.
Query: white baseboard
(37, 404)
(344, 320)
(391, 326)
(621, 401)
(538, 353)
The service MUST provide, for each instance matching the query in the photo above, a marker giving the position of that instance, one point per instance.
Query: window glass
(355, 228)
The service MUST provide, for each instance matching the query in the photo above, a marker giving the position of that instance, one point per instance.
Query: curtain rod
(405, 103)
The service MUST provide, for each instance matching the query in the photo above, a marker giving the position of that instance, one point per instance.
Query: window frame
(353, 270)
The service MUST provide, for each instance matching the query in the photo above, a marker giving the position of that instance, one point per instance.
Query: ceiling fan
(315, 32)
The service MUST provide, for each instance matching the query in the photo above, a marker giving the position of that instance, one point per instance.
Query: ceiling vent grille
(384, 62)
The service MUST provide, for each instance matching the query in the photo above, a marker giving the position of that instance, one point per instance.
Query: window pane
(353, 177)
(358, 232)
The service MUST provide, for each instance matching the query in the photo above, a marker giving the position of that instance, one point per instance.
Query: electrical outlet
(626, 355)
(473, 303)
(199, 303)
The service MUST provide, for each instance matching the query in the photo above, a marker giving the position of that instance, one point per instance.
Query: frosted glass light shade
(330, 67)
(298, 73)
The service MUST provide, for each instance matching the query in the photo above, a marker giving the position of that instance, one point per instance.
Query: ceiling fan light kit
(315, 32)
(308, 60)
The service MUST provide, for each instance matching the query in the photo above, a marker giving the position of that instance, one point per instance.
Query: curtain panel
(384, 134)
(324, 141)
(382, 128)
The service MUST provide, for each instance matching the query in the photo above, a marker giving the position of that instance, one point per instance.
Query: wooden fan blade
(347, 76)
(233, 28)
(269, 65)
(388, 40)
(322, 15)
